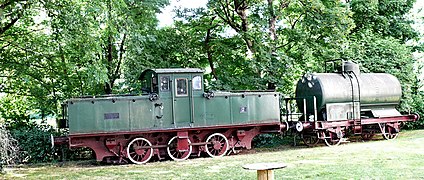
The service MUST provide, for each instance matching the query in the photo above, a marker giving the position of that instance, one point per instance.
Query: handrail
(332, 62)
(315, 109)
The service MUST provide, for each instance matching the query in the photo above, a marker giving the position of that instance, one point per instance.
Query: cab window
(181, 87)
(197, 83)
(164, 83)
(154, 84)
(150, 84)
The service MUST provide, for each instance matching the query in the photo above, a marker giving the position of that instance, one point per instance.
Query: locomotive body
(179, 106)
(138, 113)
(174, 109)
(174, 117)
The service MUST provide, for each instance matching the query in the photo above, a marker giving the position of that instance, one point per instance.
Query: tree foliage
(54, 50)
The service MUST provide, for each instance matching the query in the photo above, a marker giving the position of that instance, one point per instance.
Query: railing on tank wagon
(294, 114)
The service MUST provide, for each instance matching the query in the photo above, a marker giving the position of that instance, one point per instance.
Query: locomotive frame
(176, 118)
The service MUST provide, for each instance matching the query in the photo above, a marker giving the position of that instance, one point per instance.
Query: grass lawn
(402, 158)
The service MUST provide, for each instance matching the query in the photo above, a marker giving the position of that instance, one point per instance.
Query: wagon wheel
(389, 132)
(332, 139)
(138, 150)
(310, 140)
(174, 153)
(367, 136)
(217, 145)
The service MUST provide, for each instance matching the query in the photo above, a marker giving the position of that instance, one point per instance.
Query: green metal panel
(240, 109)
(81, 117)
(232, 108)
(267, 107)
(217, 111)
(167, 119)
(118, 113)
(142, 114)
(98, 115)
(199, 105)
(198, 101)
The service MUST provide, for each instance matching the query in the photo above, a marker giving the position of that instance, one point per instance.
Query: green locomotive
(174, 117)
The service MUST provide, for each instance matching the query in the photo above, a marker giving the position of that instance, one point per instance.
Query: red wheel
(389, 132)
(217, 145)
(139, 150)
(310, 140)
(174, 153)
(332, 139)
(367, 136)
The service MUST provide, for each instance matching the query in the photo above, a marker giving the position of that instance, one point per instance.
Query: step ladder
(356, 103)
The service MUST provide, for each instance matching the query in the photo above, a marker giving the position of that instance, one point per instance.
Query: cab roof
(170, 71)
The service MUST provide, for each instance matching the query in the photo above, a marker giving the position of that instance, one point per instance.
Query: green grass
(402, 158)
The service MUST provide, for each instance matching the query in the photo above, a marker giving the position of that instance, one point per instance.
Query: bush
(270, 140)
(418, 108)
(34, 144)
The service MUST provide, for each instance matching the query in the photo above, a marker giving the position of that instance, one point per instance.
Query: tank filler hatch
(349, 66)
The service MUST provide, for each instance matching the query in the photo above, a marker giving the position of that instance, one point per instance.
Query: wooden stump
(265, 170)
(265, 174)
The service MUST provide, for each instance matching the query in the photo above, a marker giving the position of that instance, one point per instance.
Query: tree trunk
(209, 50)
(109, 85)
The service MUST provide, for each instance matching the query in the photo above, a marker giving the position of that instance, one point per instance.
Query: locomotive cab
(174, 93)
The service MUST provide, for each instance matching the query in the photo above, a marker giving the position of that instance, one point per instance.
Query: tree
(379, 43)
(272, 40)
(387, 55)
(77, 48)
(387, 18)
(101, 33)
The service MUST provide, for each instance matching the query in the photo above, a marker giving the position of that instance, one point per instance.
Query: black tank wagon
(348, 102)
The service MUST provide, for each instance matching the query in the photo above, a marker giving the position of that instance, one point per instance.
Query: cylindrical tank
(376, 89)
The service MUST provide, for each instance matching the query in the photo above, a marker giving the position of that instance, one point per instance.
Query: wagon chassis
(332, 132)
